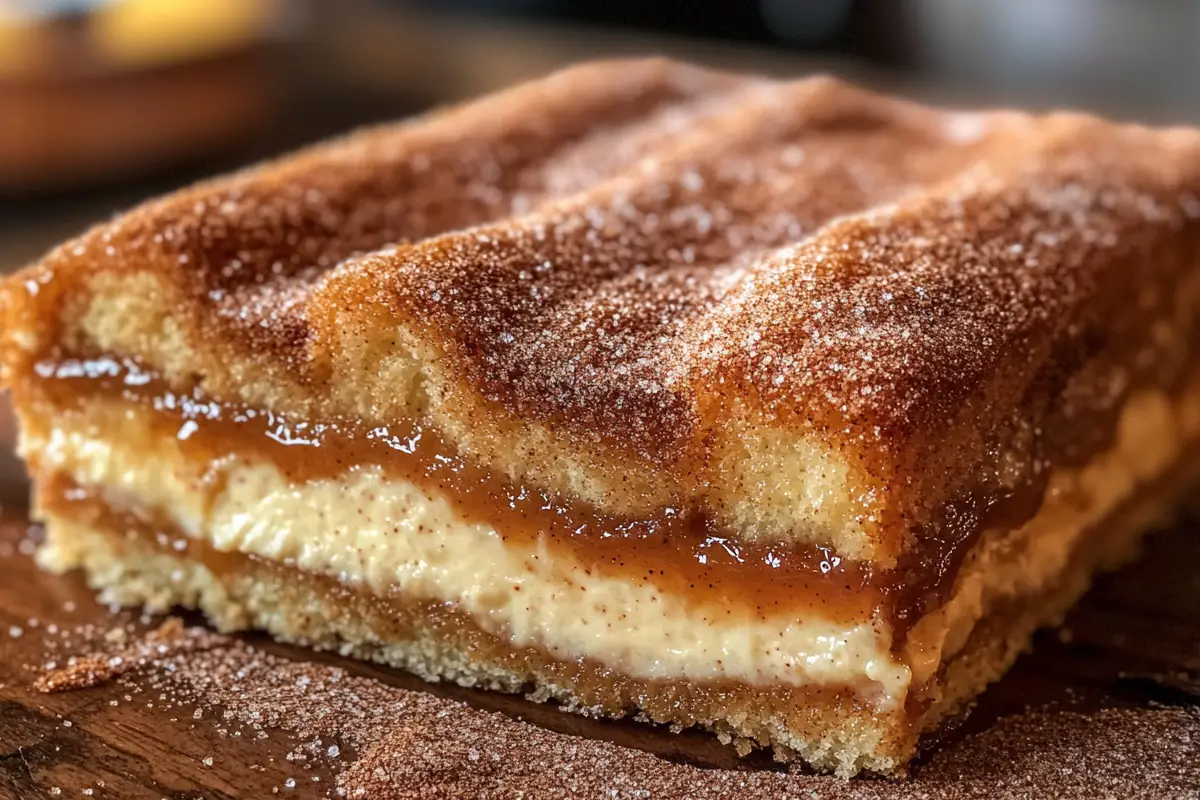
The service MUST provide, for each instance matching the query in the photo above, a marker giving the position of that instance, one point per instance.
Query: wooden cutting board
(1107, 706)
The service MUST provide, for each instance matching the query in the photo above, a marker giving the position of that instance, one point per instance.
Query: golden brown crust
(665, 265)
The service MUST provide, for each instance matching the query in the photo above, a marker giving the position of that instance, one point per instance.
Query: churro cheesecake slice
(781, 409)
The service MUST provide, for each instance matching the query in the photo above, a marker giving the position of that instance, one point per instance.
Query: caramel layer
(679, 551)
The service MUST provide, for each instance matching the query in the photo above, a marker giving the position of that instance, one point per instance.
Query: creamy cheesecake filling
(386, 534)
(248, 482)
(136, 564)
(1155, 433)
(371, 529)
(680, 550)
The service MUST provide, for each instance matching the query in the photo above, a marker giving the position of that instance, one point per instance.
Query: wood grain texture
(1134, 642)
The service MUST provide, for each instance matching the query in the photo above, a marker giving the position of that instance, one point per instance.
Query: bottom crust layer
(826, 727)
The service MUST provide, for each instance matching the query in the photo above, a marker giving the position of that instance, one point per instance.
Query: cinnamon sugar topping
(611, 280)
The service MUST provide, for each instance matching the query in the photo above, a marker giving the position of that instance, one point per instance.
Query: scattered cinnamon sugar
(85, 673)
(92, 670)
(385, 742)
(1125, 754)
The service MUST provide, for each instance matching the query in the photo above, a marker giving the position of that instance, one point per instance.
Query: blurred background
(106, 102)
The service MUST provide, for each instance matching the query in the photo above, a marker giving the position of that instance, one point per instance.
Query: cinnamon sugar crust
(646, 284)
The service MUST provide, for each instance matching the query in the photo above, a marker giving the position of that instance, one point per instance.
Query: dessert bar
(782, 409)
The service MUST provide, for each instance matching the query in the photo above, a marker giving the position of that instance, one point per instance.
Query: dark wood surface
(1134, 642)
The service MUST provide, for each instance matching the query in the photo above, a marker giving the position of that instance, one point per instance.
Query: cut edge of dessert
(539, 394)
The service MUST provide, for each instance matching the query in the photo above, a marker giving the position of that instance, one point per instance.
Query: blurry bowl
(124, 86)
